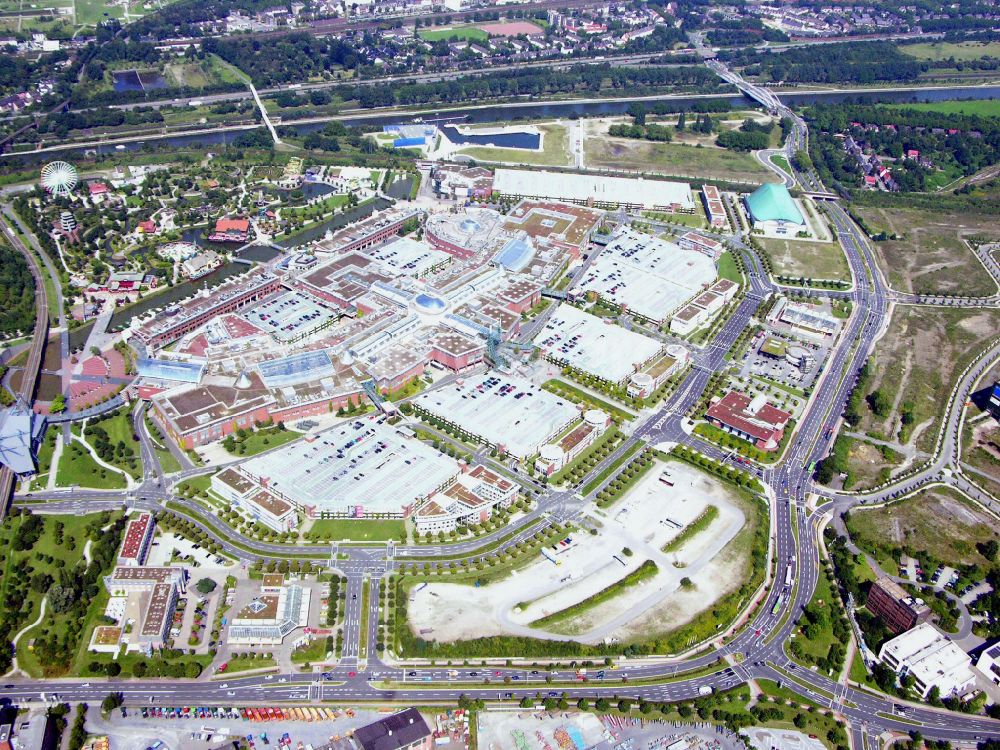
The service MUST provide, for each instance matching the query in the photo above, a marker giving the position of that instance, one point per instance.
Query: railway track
(33, 365)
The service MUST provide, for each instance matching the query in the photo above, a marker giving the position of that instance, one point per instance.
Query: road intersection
(754, 650)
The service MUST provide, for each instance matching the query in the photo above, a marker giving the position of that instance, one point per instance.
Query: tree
(205, 586)
(112, 701)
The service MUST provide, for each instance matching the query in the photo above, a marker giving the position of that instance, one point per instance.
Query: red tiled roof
(232, 225)
(764, 425)
(134, 534)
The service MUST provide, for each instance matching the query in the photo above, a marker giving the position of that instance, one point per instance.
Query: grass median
(644, 572)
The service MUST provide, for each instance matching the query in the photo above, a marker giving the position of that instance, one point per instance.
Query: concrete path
(14, 668)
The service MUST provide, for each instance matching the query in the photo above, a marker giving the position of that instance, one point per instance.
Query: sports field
(465, 33)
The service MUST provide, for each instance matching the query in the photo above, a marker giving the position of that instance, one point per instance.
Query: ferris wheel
(59, 178)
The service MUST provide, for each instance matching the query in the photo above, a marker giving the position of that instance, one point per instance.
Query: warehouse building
(931, 659)
(772, 209)
(406, 730)
(504, 411)
(574, 338)
(594, 190)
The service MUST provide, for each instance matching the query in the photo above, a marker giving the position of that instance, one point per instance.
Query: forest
(850, 62)
(17, 293)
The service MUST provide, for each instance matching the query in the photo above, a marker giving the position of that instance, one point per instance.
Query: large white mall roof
(503, 410)
(594, 345)
(359, 464)
(584, 187)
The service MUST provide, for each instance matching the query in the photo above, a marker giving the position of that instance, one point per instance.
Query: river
(542, 111)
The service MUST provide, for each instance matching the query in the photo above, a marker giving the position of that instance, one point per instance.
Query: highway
(756, 644)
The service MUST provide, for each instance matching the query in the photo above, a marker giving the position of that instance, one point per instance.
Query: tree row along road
(756, 650)
(32, 367)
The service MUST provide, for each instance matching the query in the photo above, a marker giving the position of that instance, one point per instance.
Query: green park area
(77, 468)
(46, 558)
(957, 51)
(357, 530)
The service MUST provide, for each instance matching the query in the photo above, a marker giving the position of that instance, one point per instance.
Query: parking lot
(200, 729)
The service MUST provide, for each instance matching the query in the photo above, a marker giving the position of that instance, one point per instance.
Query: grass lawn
(981, 107)
(562, 388)
(358, 530)
(802, 258)
(929, 256)
(960, 51)
(119, 428)
(939, 521)
(728, 268)
(168, 462)
(244, 663)
(77, 467)
(315, 651)
(316, 210)
(92, 12)
(782, 162)
(264, 440)
(813, 644)
(65, 554)
(675, 159)
(45, 454)
(465, 33)
(554, 153)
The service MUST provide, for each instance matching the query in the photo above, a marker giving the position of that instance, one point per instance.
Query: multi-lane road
(755, 650)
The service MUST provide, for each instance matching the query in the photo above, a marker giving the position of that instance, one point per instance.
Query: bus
(788, 576)
(777, 604)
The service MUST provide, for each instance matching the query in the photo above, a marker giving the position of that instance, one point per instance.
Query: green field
(92, 12)
(938, 521)
(728, 268)
(465, 33)
(959, 51)
(358, 530)
(77, 467)
(981, 107)
(675, 159)
(262, 440)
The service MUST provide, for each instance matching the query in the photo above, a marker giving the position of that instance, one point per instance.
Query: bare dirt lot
(811, 260)
(692, 156)
(917, 362)
(649, 516)
(931, 257)
(939, 521)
